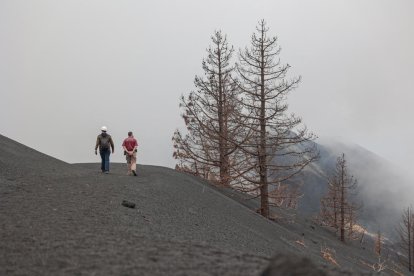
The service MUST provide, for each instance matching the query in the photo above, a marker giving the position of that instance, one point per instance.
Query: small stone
(128, 204)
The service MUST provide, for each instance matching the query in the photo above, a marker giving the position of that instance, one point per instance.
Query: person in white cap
(105, 143)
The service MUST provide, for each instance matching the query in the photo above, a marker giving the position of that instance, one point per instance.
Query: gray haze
(69, 67)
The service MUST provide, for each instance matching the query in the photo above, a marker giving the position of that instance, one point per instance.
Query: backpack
(104, 143)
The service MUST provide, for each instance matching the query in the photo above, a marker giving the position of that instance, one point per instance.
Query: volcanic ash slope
(58, 218)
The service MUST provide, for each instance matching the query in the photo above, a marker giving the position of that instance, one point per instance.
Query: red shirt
(130, 143)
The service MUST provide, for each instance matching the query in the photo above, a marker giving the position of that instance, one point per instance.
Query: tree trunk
(409, 238)
(412, 242)
(335, 210)
(225, 158)
(342, 207)
(220, 107)
(262, 151)
(351, 223)
(264, 193)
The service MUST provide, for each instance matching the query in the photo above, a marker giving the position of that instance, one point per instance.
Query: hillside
(62, 219)
(383, 189)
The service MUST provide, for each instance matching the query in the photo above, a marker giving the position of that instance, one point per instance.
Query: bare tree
(378, 243)
(210, 114)
(406, 234)
(329, 214)
(337, 209)
(277, 147)
(285, 196)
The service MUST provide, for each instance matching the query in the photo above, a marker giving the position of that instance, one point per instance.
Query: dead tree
(406, 234)
(210, 114)
(337, 209)
(285, 196)
(329, 214)
(378, 243)
(278, 147)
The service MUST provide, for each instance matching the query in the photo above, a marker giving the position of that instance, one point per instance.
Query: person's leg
(134, 163)
(107, 154)
(128, 160)
(102, 154)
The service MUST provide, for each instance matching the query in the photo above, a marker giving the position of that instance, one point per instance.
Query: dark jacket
(102, 138)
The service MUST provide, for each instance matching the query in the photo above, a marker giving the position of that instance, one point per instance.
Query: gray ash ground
(61, 219)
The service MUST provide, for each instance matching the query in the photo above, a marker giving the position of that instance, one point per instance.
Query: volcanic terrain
(68, 219)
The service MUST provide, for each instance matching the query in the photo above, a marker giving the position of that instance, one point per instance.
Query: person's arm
(124, 147)
(136, 146)
(97, 145)
(112, 144)
(126, 150)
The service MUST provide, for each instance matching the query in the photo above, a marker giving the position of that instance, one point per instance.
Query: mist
(70, 67)
(384, 189)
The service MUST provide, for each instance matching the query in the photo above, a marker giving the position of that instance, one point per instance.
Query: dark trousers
(105, 153)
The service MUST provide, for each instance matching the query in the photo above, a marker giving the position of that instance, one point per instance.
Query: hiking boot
(134, 173)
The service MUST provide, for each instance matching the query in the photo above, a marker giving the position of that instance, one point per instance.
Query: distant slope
(383, 188)
(18, 160)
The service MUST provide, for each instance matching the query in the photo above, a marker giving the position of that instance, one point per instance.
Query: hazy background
(69, 67)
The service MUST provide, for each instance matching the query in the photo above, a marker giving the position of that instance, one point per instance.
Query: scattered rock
(128, 204)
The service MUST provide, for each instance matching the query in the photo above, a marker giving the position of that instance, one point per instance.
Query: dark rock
(286, 265)
(128, 204)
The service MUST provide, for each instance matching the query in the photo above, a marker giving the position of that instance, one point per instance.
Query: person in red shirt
(130, 146)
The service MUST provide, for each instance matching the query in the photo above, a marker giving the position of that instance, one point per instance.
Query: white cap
(104, 128)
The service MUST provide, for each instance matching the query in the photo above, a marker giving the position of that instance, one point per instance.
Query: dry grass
(328, 254)
(358, 229)
(377, 267)
(396, 272)
(301, 242)
(393, 267)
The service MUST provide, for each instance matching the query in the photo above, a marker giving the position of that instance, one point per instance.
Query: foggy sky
(69, 67)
